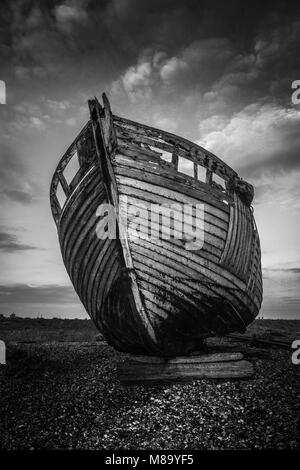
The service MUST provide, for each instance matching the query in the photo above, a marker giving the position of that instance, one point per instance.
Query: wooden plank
(140, 153)
(107, 263)
(55, 207)
(207, 256)
(241, 254)
(208, 179)
(195, 170)
(196, 281)
(108, 125)
(185, 193)
(62, 165)
(163, 286)
(235, 247)
(184, 224)
(81, 228)
(95, 274)
(195, 359)
(212, 244)
(255, 267)
(166, 170)
(79, 176)
(166, 191)
(89, 265)
(64, 183)
(126, 135)
(175, 160)
(88, 188)
(203, 156)
(133, 373)
(236, 254)
(248, 243)
(134, 203)
(130, 149)
(195, 265)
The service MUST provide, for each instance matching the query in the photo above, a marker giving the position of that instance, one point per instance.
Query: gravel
(67, 396)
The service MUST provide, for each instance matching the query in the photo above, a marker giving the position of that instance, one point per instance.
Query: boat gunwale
(183, 140)
(58, 209)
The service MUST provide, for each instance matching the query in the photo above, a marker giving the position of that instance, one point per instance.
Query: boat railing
(71, 169)
(181, 155)
(139, 140)
(179, 152)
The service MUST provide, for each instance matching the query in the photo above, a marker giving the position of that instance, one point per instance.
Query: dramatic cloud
(69, 15)
(14, 184)
(285, 270)
(9, 243)
(48, 294)
(138, 79)
(259, 137)
(193, 68)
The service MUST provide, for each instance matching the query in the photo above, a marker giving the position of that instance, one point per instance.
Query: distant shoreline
(40, 329)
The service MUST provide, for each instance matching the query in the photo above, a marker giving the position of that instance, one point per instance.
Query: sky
(217, 73)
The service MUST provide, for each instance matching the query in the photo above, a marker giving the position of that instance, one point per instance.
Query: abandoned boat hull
(154, 294)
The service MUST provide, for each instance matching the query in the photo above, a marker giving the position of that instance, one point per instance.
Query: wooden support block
(200, 358)
(140, 369)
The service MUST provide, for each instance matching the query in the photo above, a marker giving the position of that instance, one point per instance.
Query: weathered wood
(81, 173)
(208, 179)
(58, 175)
(269, 341)
(64, 184)
(109, 133)
(55, 207)
(170, 179)
(185, 369)
(143, 154)
(150, 184)
(201, 358)
(203, 156)
(139, 310)
(175, 160)
(195, 170)
(156, 296)
(236, 254)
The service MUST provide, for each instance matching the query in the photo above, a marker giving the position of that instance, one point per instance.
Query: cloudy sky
(218, 73)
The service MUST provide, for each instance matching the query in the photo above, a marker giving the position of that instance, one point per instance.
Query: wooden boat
(155, 295)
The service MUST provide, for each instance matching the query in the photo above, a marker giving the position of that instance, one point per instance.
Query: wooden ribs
(236, 255)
